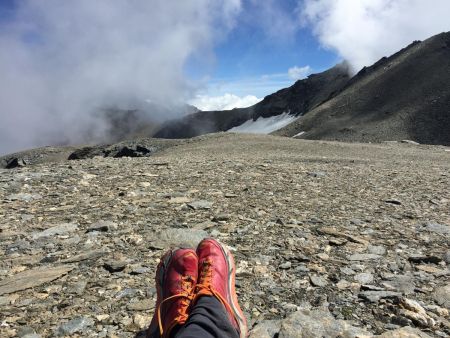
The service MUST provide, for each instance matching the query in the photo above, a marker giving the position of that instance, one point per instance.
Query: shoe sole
(238, 314)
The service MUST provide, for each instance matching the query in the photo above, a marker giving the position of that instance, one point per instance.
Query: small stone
(221, 218)
(318, 281)
(286, 265)
(102, 226)
(77, 287)
(343, 284)
(200, 205)
(317, 174)
(143, 305)
(363, 257)
(115, 266)
(140, 321)
(103, 317)
(376, 249)
(364, 278)
(79, 324)
(323, 256)
(393, 201)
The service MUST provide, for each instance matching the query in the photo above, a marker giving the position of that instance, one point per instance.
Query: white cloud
(62, 60)
(297, 73)
(224, 102)
(363, 31)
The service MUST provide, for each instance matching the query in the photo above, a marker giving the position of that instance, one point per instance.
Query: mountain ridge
(403, 96)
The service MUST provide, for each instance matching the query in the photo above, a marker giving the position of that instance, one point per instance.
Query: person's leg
(208, 319)
(215, 311)
(176, 277)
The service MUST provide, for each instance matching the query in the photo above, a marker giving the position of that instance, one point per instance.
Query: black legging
(208, 319)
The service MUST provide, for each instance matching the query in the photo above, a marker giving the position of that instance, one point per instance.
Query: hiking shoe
(216, 277)
(176, 277)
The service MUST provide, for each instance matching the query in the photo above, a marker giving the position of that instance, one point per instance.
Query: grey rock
(442, 229)
(102, 226)
(375, 296)
(57, 230)
(24, 331)
(285, 265)
(401, 283)
(364, 257)
(15, 162)
(317, 174)
(115, 266)
(393, 201)
(32, 335)
(364, 278)
(181, 237)
(200, 205)
(77, 325)
(376, 249)
(4, 300)
(404, 332)
(77, 287)
(32, 278)
(139, 270)
(221, 218)
(24, 197)
(317, 323)
(318, 280)
(90, 255)
(447, 257)
(441, 295)
(425, 259)
(266, 329)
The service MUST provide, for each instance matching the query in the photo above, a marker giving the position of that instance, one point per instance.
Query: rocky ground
(330, 239)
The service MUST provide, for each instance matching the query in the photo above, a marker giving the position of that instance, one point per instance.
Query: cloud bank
(363, 31)
(224, 102)
(61, 61)
(298, 73)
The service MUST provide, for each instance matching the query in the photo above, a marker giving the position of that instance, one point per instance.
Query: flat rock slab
(31, 278)
(200, 205)
(364, 257)
(404, 332)
(442, 296)
(375, 296)
(317, 323)
(60, 229)
(181, 237)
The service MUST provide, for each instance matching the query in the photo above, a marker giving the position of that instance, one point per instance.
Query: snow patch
(299, 134)
(264, 125)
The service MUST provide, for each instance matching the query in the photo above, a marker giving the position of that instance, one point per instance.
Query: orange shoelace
(205, 287)
(187, 285)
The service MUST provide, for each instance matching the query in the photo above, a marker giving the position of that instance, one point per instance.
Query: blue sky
(254, 58)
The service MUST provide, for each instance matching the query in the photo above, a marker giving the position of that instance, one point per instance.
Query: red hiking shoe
(216, 277)
(176, 277)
